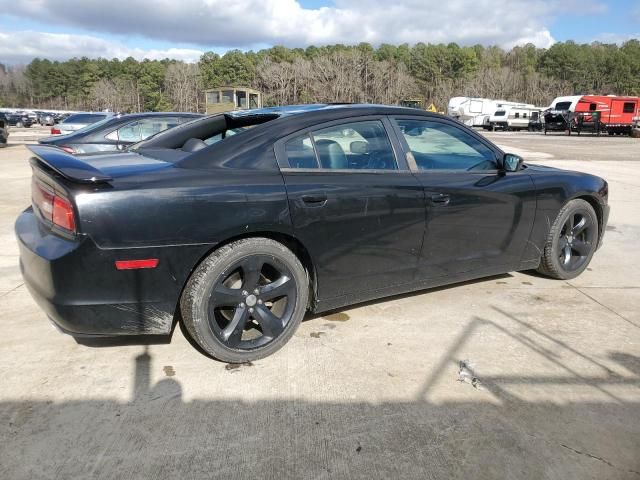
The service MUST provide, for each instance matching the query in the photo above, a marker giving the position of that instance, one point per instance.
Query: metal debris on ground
(467, 375)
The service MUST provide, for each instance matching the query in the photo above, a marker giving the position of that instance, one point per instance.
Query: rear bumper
(77, 285)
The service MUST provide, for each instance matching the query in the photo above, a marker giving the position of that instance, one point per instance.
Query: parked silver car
(77, 121)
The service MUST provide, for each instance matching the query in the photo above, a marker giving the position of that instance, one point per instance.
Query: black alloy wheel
(245, 300)
(571, 242)
(576, 241)
(252, 305)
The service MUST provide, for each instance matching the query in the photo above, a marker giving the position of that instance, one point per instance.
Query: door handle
(315, 199)
(440, 199)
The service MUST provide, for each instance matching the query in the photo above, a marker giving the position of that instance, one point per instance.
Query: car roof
(288, 110)
(158, 114)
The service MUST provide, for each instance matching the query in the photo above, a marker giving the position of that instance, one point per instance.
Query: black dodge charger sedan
(239, 223)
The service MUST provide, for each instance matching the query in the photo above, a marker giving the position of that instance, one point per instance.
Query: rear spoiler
(67, 165)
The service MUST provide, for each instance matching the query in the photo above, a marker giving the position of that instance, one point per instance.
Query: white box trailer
(515, 118)
(475, 112)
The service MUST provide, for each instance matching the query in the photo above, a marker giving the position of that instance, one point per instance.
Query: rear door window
(348, 146)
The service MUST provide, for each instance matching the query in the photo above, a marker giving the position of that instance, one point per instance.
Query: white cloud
(618, 38)
(250, 23)
(21, 47)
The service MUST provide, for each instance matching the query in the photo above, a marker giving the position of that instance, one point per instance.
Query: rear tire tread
(196, 286)
(547, 266)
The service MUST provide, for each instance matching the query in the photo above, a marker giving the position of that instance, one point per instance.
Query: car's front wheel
(245, 300)
(571, 241)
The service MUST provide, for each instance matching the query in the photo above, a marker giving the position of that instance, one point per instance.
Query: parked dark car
(19, 120)
(241, 222)
(4, 130)
(117, 133)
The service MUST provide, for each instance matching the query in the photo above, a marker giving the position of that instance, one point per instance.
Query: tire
(256, 282)
(570, 244)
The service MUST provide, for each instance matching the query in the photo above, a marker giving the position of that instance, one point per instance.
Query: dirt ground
(369, 392)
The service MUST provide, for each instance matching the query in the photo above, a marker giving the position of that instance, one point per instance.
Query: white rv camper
(475, 112)
(514, 117)
(564, 104)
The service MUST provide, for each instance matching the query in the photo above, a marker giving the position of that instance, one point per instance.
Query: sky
(184, 29)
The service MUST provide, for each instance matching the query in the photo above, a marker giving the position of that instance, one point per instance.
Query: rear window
(84, 118)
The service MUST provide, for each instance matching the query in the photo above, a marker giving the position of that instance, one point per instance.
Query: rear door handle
(315, 200)
(440, 199)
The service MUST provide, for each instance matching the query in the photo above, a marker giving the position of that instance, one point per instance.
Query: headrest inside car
(359, 147)
(193, 145)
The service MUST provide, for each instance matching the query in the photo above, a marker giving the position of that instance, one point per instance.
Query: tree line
(337, 73)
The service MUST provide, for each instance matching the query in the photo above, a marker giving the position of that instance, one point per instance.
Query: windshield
(563, 105)
(499, 113)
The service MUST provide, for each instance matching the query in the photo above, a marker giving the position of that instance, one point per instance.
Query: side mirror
(512, 162)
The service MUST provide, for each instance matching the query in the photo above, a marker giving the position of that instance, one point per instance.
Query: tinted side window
(358, 146)
(300, 153)
(441, 146)
(628, 107)
(353, 146)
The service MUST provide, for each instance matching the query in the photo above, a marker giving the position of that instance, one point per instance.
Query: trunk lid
(93, 169)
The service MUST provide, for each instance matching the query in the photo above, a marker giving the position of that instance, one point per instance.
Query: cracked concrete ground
(368, 392)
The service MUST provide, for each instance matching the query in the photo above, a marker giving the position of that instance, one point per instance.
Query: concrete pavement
(369, 392)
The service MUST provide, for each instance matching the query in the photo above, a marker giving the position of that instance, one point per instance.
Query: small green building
(226, 99)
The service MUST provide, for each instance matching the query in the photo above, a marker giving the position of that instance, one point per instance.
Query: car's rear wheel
(571, 242)
(245, 300)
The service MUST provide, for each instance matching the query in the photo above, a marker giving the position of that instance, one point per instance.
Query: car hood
(542, 168)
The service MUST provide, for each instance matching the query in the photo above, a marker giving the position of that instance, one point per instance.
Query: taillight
(68, 149)
(52, 207)
(42, 199)
(55, 131)
(63, 214)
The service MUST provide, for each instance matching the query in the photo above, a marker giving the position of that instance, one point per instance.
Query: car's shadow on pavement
(584, 423)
